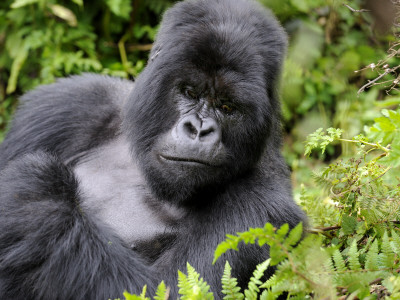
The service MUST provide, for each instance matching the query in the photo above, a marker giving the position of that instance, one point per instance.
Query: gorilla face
(203, 108)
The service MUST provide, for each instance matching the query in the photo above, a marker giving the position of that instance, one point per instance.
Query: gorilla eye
(190, 93)
(226, 108)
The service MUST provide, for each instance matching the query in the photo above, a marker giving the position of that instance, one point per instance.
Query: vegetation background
(349, 188)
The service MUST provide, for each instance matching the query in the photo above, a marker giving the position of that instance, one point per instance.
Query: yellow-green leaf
(64, 13)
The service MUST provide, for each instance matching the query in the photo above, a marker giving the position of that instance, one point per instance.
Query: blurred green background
(41, 40)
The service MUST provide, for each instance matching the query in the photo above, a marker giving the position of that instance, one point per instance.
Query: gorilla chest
(114, 190)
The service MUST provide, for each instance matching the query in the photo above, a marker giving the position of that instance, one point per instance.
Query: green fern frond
(321, 180)
(260, 270)
(162, 292)
(192, 287)
(321, 139)
(354, 263)
(282, 231)
(272, 281)
(328, 265)
(395, 243)
(229, 285)
(142, 296)
(266, 235)
(372, 258)
(386, 257)
(268, 295)
(253, 288)
(294, 236)
(339, 261)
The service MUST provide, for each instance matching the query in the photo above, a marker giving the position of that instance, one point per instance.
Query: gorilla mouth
(186, 160)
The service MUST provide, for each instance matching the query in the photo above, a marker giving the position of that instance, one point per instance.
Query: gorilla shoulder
(67, 118)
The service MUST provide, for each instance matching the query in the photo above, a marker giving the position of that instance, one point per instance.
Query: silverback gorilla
(107, 185)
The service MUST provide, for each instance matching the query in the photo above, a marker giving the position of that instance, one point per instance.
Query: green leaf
(294, 236)
(162, 292)
(339, 261)
(386, 258)
(371, 262)
(142, 296)
(192, 287)
(395, 243)
(349, 224)
(21, 3)
(229, 285)
(354, 263)
(64, 13)
(79, 2)
(121, 8)
(387, 103)
(16, 66)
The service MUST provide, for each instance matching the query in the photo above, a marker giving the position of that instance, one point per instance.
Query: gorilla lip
(185, 160)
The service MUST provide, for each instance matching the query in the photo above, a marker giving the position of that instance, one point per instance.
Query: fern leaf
(294, 236)
(268, 295)
(260, 269)
(231, 242)
(272, 281)
(268, 235)
(252, 292)
(162, 292)
(254, 283)
(386, 258)
(354, 263)
(371, 260)
(283, 230)
(339, 261)
(192, 286)
(395, 243)
(328, 265)
(142, 296)
(229, 285)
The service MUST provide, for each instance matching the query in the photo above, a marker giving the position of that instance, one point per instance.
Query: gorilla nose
(205, 130)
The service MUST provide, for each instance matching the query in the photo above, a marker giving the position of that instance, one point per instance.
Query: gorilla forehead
(223, 34)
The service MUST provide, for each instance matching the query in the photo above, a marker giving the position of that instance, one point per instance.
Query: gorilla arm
(49, 244)
(50, 247)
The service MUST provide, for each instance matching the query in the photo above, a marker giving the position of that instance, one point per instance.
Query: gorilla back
(108, 185)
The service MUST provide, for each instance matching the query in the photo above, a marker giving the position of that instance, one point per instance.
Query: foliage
(328, 44)
(229, 285)
(193, 287)
(45, 39)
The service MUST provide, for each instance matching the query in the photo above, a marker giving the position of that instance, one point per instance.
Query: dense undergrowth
(352, 249)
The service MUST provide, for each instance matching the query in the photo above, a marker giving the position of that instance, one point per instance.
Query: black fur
(202, 124)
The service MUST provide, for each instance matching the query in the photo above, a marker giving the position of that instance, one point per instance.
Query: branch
(322, 229)
(355, 10)
(371, 82)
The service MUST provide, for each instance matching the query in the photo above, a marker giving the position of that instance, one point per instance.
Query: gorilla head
(205, 108)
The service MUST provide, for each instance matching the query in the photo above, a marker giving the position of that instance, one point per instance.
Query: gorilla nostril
(206, 132)
(190, 129)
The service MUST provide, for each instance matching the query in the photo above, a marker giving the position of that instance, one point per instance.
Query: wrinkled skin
(107, 185)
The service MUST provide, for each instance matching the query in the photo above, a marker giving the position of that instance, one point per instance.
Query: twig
(319, 229)
(145, 47)
(355, 10)
(371, 82)
(375, 281)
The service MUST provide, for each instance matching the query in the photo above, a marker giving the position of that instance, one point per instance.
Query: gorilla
(107, 185)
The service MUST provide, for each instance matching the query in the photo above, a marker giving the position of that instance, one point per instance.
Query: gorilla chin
(108, 185)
